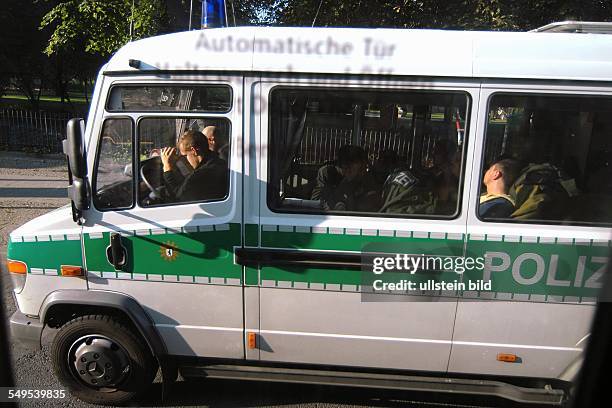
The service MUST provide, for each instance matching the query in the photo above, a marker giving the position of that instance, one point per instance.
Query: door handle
(256, 257)
(313, 259)
(115, 252)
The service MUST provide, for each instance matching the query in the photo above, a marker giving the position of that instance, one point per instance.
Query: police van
(333, 143)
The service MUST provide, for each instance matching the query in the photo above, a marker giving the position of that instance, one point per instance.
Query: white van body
(204, 302)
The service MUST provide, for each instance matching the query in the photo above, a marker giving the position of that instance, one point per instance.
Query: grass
(57, 99)
(51, 104)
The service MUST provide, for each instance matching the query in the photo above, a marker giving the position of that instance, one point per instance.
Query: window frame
(481, 165)
(169, 84)
(361, 88)
(94, 183)
(178, 116)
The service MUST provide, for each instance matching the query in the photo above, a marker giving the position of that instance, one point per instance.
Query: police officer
(347, 186)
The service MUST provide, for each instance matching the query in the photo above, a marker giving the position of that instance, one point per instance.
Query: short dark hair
(195, 139)
(510, 169)
(349, 154)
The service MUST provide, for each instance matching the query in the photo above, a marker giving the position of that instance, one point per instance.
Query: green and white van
(269, 281)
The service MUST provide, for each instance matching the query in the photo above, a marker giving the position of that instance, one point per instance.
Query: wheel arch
(64, 305)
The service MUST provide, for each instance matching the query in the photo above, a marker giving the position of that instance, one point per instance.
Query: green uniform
(404, 193)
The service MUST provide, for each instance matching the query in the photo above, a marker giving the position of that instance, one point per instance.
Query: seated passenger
(496, 202)
(209, 178)
(328, 178)
(387, 162)
(543, 191)
(428, 191)
(347, 186)
(445, 176)
(217, 142)
(406, 193)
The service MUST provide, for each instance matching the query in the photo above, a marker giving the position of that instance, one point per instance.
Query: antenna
(233, 14)
(190, 13)
(317, 15)
(132, 21)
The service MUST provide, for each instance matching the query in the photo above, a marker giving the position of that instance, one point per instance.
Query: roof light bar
(214, 14)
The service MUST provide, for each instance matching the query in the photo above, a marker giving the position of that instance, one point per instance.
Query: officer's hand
(168, 157)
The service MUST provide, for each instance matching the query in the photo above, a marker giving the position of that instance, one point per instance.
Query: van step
(523, 395)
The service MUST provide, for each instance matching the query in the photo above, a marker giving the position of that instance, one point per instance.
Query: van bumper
(26, 330)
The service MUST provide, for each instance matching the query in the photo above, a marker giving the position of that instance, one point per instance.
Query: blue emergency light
(213, 14)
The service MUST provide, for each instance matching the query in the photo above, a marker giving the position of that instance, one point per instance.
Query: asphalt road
(31, 186)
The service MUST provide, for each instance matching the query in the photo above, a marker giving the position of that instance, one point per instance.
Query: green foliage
(456, 14)
(101, 26)
(78, 35)
(255, 12)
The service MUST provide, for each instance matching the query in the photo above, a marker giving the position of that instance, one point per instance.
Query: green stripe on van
(46, 254)
(348, 239)
(546, 267)
(198, 253)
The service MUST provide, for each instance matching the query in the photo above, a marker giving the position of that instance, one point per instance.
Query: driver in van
(496, 202)
(209, 177)
(347, 186)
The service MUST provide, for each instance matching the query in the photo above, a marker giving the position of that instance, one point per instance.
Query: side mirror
(74, 149)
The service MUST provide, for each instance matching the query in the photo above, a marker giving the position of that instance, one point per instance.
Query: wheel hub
(99, 361)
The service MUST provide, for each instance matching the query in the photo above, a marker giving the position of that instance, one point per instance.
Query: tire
(100, 360)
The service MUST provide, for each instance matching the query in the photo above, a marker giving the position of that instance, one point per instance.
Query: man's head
(500, 175)
(215, 139)
(211, 134)
(353, 161)
(194, 146)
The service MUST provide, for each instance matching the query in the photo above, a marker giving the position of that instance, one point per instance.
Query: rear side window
(395, 153)
(114, 170)
(548, 159)
(213, 98)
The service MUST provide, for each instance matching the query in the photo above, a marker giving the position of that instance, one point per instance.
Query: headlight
(19, 273)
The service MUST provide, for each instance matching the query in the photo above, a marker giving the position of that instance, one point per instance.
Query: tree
(253, 12)
(455, 14)
(102, 27)
(84, 32)
(21, 59)
(529, 14)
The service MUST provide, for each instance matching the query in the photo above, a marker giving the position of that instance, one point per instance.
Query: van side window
(395, 153)
(196, 163)
(548, 159)
(113, 174)
(166, 98)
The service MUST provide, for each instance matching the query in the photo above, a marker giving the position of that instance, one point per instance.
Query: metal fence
(321, 145)
(25, 130)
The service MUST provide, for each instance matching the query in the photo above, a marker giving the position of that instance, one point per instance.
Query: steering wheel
(151, 176)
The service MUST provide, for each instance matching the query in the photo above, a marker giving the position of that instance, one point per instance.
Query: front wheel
(101, 360)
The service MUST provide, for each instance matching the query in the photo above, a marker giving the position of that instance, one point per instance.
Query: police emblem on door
(168, 251)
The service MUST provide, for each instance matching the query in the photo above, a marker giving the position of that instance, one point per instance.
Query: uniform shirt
(328, 178)
(361, 194)
(496, 206)
(337, 193)
(405, 193)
